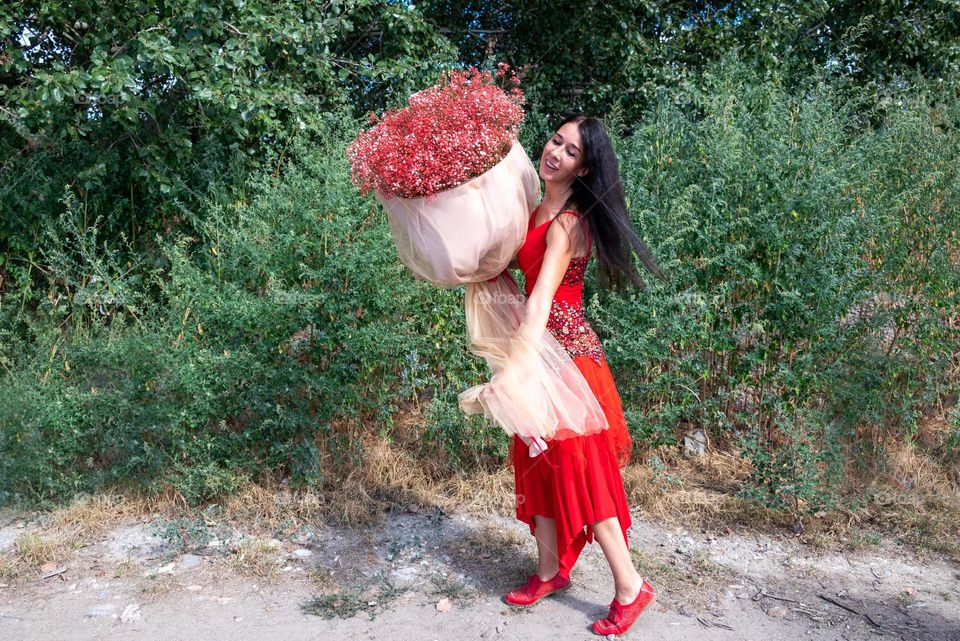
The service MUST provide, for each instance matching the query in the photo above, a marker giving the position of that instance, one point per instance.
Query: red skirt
(577, 481)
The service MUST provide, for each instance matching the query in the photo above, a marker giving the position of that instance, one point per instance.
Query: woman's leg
(626, 580)
(548, 561)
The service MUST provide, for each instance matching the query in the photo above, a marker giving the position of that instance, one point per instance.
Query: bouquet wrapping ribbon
(469, 234)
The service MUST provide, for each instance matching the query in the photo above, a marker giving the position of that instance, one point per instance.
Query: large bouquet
(458, 188)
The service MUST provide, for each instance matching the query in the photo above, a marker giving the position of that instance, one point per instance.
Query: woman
(573, 491)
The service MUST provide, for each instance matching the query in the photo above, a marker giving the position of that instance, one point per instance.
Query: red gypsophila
(451, 132)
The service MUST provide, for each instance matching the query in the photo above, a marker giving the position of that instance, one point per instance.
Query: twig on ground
(52, 573)
(850, 609)
(712, 624)
(761, 594)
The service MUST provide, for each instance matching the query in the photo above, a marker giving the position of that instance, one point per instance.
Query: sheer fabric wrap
(469, 234)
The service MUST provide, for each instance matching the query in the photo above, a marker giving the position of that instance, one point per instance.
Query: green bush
(811, 276)
(288, 317)
(812, 250)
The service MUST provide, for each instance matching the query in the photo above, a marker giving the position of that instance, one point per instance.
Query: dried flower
(451, 132)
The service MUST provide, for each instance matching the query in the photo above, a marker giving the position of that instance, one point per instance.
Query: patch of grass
(190, 534)
(493, 555)
(692, 572)
(123, 568)
(657, 572)
(906, 599)
(861, 539)
(444, 584)
(35, 549)
(705, 566)
(255, 557)
(486, 544)
(372, 598)
(322, 577)
(8, 570)
(159, 585)
(86, 518)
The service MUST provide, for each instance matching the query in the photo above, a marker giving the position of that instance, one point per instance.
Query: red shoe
(621, 616)
(535, 589)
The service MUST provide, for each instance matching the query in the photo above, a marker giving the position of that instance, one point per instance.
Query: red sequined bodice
(566, 322)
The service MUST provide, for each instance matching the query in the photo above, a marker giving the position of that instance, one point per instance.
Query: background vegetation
(194, 295)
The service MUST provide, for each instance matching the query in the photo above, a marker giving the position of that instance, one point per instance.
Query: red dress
(577, 480)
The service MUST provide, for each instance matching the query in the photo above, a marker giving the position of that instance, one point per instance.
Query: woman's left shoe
(622, 616)
(535, 589)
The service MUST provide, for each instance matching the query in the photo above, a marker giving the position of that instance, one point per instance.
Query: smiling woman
(572, 491)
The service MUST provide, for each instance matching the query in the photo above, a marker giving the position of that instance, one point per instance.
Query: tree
(594, 55)
(143, 108)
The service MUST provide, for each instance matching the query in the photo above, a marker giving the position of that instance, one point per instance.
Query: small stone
(444, 605)
(695, 443)
(302, 553)
(214, 543)
(194, 588)
(189, 561)
(166, 569)
(237, 619)
(130, 613)
(777, 612)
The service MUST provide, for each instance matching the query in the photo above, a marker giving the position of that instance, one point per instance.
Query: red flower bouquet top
(450, 133)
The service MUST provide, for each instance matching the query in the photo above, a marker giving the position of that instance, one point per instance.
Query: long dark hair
(598, 197)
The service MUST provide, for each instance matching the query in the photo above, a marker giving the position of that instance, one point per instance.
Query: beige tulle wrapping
(469, 234)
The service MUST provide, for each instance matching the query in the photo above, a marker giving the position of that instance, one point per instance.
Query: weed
(255, 557)
(864, 539)
(372, 598)
(445, 584)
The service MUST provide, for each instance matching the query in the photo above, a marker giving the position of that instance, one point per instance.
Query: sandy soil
(151, 579)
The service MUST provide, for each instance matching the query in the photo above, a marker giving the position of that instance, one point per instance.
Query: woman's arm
(564, 235)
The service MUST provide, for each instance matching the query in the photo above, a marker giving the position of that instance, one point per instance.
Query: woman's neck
(554, 198)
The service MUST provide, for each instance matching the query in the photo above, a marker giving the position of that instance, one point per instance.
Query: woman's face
(562, 157)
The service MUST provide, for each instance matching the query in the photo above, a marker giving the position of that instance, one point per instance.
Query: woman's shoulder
(569, 224)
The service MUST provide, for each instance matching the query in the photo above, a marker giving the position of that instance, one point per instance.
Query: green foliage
(813, 269)
(593, 56)
(809, 235)
(143, 109)
(287, 319)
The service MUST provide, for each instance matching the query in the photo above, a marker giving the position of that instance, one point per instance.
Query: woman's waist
(569, 294)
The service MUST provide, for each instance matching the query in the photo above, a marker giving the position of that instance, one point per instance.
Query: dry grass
(679, 575)
(83, 521)
(159, 586)
(255, 558)
(910, 468)
(55, 537)
(697, 492)
(914, 498)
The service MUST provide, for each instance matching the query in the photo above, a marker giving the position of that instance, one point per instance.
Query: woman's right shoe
(535, 589)
(622, 615)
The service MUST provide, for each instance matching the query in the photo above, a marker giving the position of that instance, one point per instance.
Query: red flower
(451, 132)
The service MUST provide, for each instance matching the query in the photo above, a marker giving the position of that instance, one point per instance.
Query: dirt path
(167, 581)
